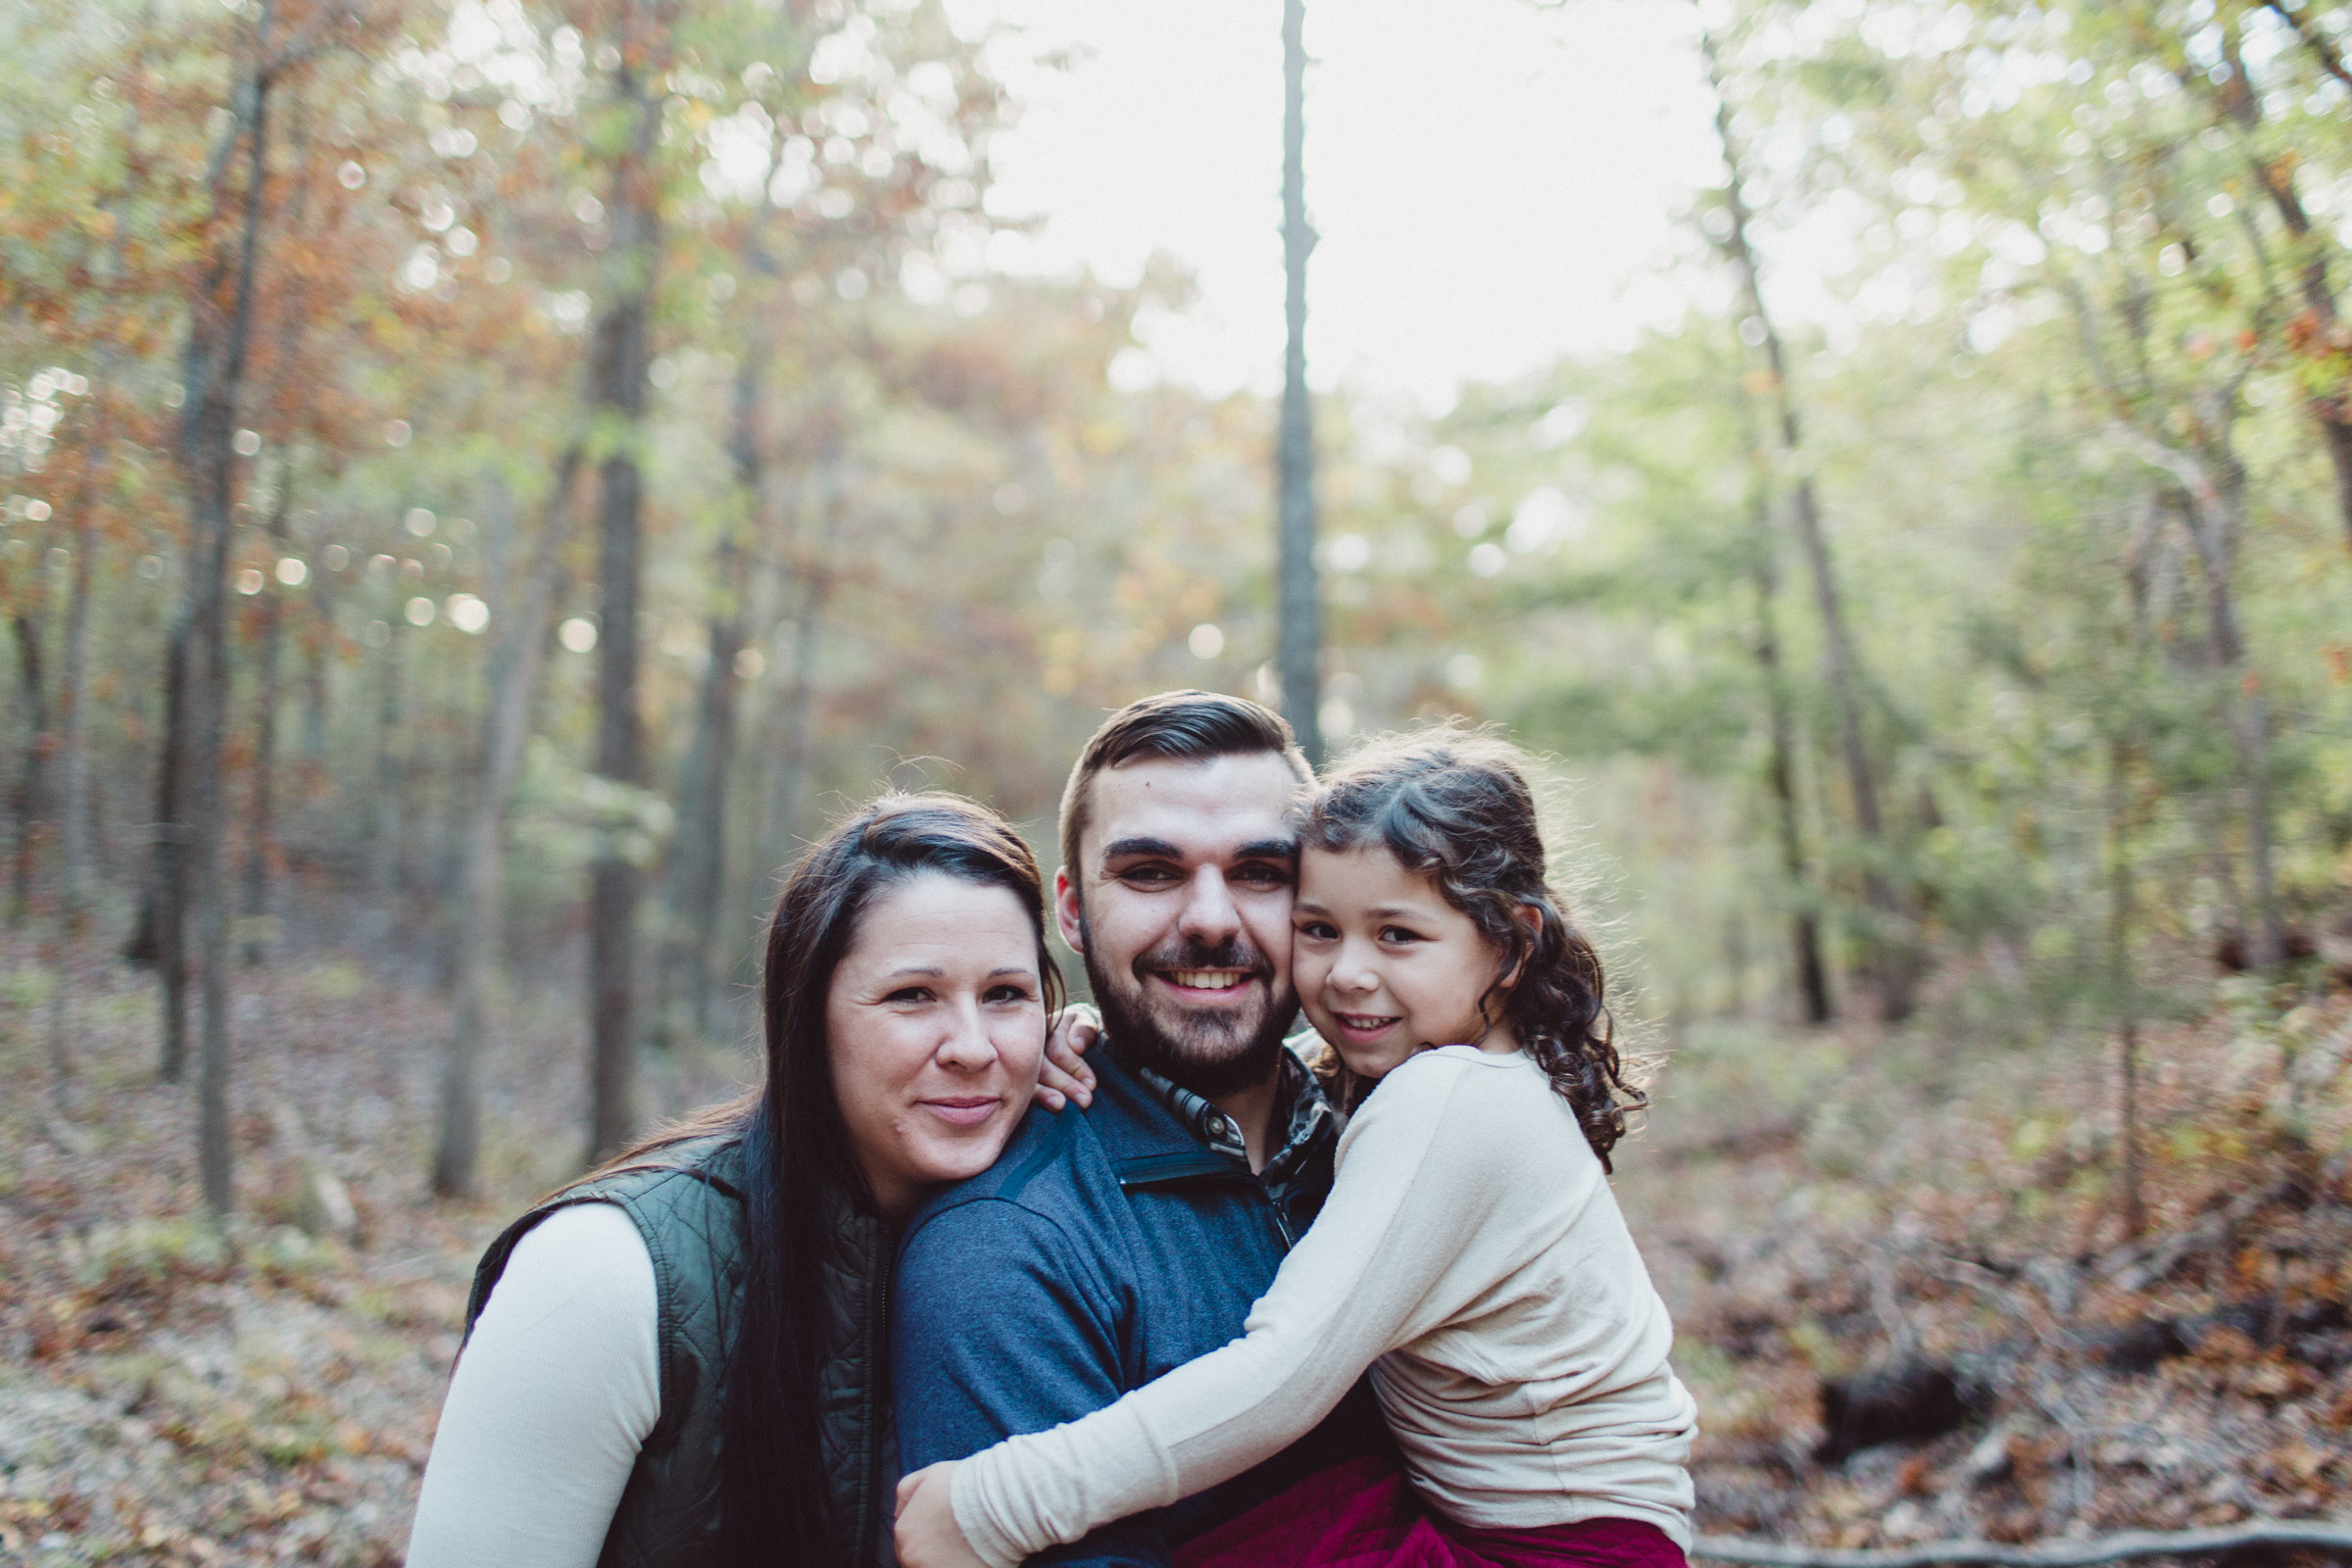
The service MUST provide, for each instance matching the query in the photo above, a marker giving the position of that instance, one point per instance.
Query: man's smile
(1208, 986)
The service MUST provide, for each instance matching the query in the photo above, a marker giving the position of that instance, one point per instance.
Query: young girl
(1470, 1253)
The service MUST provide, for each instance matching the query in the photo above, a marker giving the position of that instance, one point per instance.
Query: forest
(482, 481)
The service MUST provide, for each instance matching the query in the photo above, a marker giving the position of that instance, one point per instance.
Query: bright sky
(1494, 184)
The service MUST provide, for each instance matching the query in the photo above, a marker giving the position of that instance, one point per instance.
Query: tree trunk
(697, 859)
(32, 785)
(1780, 776)
(2250, 726)
(699, 850)
(1298, 653)
(219, 335)
(1893, 954)
(261, 831)
(2247, 714)
(788, 785)
(1806, 968)
(384, 857)
(1894, 963)
(617, 393)
(2121, 917)
(262, 844)
(789, 720)
(2212, 487)
(73, 807)
(700, 862)
(162, 934)
(519, 653)
(2330, 407)
(319, 634)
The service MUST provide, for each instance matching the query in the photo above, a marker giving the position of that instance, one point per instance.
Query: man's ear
(1069, 910)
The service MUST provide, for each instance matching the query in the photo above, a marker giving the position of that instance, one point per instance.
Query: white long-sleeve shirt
(1470, 1253)
(560, 1384)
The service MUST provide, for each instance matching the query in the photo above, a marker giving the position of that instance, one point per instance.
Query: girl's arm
(556, 1390)
(1372, 1273)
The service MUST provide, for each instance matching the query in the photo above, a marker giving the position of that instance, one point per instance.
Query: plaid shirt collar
(1309, 1118)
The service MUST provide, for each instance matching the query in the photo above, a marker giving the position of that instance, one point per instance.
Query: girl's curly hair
(1452, 803)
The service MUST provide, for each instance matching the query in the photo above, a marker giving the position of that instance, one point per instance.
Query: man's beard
(1211, 1052)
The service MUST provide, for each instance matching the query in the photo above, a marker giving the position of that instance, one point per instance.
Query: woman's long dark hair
(1452, 803)
(796, 1148)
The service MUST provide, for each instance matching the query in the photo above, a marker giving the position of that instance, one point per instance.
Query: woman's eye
(910, 993)
(1006, 993)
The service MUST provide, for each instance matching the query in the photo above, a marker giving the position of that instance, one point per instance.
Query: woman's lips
(963, 1111)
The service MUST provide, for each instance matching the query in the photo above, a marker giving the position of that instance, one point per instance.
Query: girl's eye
(1316, 930)
(1399, 934)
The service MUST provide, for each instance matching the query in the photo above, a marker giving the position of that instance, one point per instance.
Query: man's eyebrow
(1161, 849)
(1129, 849)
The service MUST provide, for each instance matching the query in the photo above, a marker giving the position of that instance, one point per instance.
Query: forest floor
(1866, 1239)
(1817, 1210)
(167, 1399)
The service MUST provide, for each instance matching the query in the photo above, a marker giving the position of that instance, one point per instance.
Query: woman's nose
(967, 1045)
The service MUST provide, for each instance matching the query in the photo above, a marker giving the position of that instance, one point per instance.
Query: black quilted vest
(686, 1201)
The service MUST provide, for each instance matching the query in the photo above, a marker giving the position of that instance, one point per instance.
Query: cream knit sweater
(1472, 1255)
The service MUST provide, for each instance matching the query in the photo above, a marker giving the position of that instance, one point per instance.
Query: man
(1111, 1245)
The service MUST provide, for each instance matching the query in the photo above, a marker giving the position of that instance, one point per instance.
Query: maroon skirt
(1364, 1514)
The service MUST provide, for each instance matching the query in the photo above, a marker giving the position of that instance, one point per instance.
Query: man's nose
(1209, 915)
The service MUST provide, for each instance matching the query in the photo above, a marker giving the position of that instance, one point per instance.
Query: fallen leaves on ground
(1845, 1223)
(172, 1393)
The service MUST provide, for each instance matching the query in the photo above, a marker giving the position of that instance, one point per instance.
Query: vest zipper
(877, 1340)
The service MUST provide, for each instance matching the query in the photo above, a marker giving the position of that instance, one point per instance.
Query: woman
(675, 1359)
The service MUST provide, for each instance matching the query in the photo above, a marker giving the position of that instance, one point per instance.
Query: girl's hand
(927, 1534)
(1064, 1076)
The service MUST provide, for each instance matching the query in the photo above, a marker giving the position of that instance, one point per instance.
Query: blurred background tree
(484, 480)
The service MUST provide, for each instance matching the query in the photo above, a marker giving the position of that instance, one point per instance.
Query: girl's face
(1385, 967)
(935, 1023)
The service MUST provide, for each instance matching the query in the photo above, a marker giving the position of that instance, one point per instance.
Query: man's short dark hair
(1190, 725)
